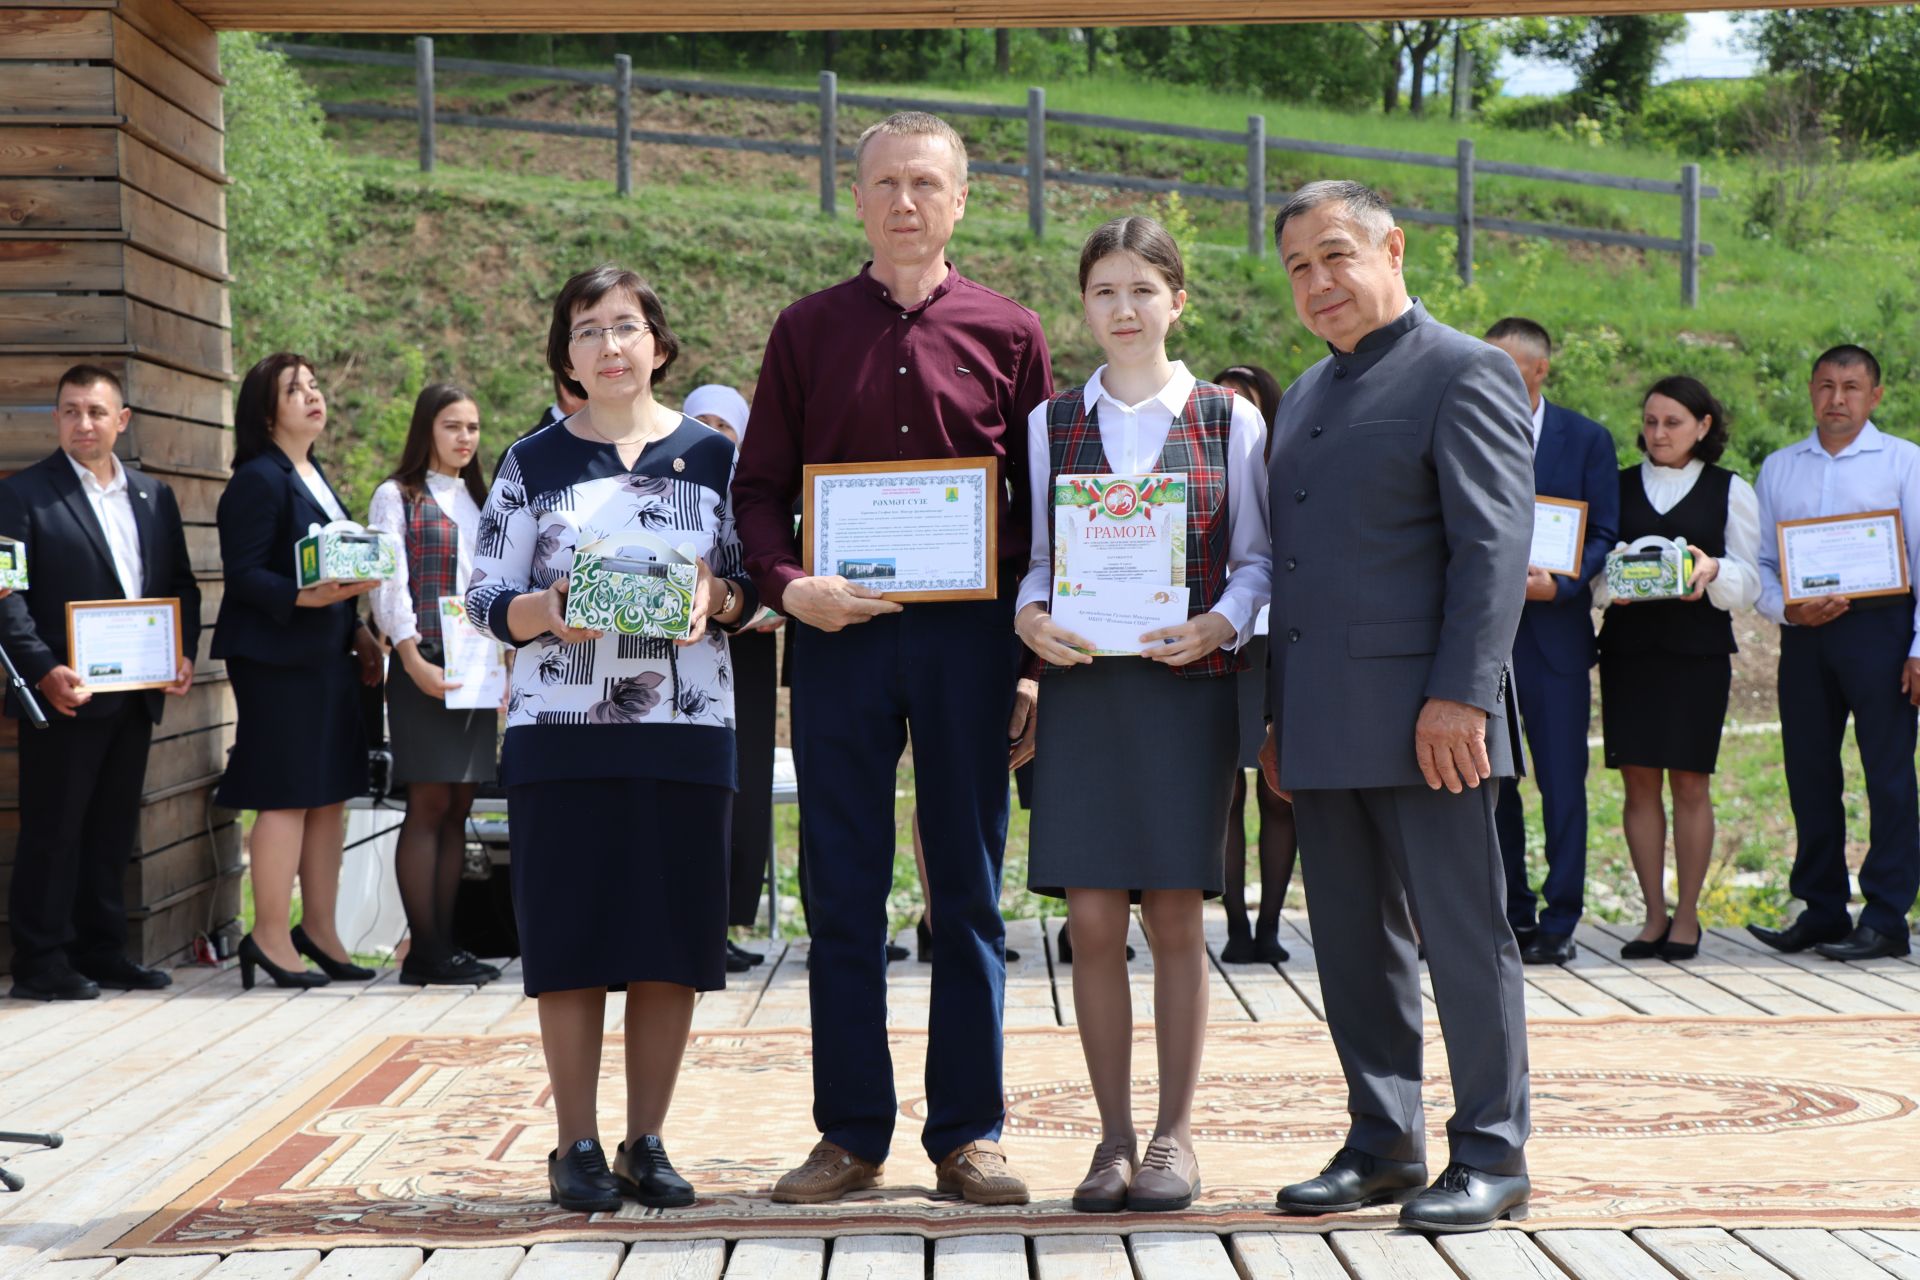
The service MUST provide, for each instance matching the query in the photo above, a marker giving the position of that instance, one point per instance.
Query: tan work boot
(1104, 1189)
(829, 1172)
(1168, 1177)
(979, 1172)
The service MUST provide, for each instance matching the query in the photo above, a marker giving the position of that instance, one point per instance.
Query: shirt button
(1291, 563)
(1315, 433)
(1339, 371)
(903, 428)
(903, 368)
(1299, 495)
(1293, 636)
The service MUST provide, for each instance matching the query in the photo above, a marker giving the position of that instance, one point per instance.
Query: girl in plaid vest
(1160, 728)
(431, 504)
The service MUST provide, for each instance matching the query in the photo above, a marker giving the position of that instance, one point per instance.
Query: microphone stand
(28, 702)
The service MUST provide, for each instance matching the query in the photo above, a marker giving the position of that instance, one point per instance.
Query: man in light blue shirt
(1843, 657)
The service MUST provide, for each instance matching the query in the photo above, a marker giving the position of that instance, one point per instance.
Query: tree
(1002, 52)
(1866, 62)
(1419, 40)
(1613, 58)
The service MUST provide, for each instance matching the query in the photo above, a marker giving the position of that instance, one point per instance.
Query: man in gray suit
(1402, 516)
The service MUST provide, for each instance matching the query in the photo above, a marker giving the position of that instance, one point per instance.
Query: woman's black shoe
(1239, 950)
(338, 970)
(484, 972)
(1267, 950)
(1066, 946)
(1648, 948)
(581, 1182)
(737, 952)
(643, 1172)
(923, 939)
(736, 962)
(252, 957)
(1671, 950)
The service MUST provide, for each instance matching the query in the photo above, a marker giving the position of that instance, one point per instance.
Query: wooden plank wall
(113, 249)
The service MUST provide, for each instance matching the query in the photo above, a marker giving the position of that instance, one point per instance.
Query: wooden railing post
(1257, 186)
(829, 141)
(1463, 210)
(1037, 161)
(623, 112)
(1690, 235)
(423, 84)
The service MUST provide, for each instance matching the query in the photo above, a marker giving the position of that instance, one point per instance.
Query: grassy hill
(450, 274)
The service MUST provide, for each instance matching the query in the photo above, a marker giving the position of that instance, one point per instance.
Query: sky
(1711, 49)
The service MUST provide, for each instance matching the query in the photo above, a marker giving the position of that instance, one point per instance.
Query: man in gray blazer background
(1402, 517)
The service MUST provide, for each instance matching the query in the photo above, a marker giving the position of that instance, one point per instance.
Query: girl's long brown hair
(416, 456)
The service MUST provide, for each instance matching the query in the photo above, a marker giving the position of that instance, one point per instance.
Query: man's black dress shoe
(737, 952)
(1801, 934)
(61, 984)
(580, 1181)
(1353, 1180)
(737, 963)
(1464, 1199)
(1523, 934)
(1865, 943)
(643, 1172)
(1549, 948)
(122, 974)
(474, 964)
(457, 970)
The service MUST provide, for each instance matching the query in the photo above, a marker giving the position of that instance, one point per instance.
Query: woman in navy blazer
(299, 749)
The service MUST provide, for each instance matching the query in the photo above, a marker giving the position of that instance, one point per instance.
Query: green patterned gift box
(630, 596)
(13, 564)
(1653, 568)
(344, 552)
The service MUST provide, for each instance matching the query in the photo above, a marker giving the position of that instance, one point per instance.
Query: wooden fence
(825, 149)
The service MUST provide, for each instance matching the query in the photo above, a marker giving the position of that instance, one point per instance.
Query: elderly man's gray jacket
(1402, 517)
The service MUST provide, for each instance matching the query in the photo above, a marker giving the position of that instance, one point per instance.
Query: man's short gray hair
(1364, 205)
(914, 124)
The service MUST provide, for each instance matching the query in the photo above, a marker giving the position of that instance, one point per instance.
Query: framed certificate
(117, 645)
(1559, 535)
(1857, 556)
(922, 530)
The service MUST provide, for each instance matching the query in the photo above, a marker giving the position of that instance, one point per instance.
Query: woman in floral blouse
(619, 751)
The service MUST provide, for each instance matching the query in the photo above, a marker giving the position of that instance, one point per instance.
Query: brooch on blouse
(679, 464)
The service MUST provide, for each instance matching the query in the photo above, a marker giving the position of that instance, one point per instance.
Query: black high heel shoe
(338, 970)
(252, 957)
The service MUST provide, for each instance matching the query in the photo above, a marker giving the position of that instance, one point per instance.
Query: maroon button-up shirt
(850, 376)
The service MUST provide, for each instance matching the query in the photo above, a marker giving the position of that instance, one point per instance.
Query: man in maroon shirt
(906, 360)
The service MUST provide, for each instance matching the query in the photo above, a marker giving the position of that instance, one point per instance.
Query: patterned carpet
(441, 1140)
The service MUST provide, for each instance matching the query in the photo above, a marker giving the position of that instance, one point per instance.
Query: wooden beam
(56, 34)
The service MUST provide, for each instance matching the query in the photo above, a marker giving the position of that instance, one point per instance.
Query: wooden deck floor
(138, 1079)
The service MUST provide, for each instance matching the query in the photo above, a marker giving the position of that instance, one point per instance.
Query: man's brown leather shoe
(979, 1172)
(829, 1172)
(1104, 1189)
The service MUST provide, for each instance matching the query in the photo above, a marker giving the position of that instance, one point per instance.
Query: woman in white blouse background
(431, 506)
(1666, 667)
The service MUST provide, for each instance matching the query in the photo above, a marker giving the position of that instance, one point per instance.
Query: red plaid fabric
(433, 551)
(1197, 448)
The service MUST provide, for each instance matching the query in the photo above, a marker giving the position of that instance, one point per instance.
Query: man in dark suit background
(1573, 458)
(93, 530)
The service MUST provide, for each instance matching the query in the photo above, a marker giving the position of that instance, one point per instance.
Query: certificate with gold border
(121, 645)
(1559, 535)
(914, 531)
(1857, 556)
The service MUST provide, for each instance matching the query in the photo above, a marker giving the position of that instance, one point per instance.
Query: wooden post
(1463, 210)
(1257, 186)
(623, 112)
(829, 141)
(423, 83)
(1462, 78)
(1690, 235)
(1037, 161)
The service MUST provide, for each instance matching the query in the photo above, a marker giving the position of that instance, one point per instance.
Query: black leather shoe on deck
(121, 974)
(1465, 1199)
(1549, 948)
(1801, 934)
(643, 1172)
(1353, 1180)
(580, 1181)
(1647, 948)
(1866, 943)
(61, 984)
(338, 970)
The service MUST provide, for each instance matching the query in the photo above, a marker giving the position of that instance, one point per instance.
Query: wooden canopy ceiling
(427, 17)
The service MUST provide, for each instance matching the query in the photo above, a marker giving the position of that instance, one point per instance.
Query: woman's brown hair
(416, 456)
(587, 288)
(1140, 236)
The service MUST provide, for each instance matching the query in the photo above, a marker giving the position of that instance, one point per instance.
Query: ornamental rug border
(436, 1141)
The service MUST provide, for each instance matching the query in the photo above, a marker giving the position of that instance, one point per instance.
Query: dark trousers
(1556, 711)
(756, 691)
(1851, 666)
(1379, 863)
(79, 816)
(940, 673)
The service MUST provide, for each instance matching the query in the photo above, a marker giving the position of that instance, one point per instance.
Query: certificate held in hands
(118, 646)
(1854, 555)
(1559, 535)
(915, 530)
(1119, 558)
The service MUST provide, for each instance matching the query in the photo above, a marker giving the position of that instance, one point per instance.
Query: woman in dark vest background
(431, 505)
(1666, 666)
(1161, 729)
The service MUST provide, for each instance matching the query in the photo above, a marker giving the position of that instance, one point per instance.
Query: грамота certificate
(1111, 529)
(124, 644)
(1856, 555)
(1113, 616)
(922, 530)
(472, 659)
(1559, 534)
